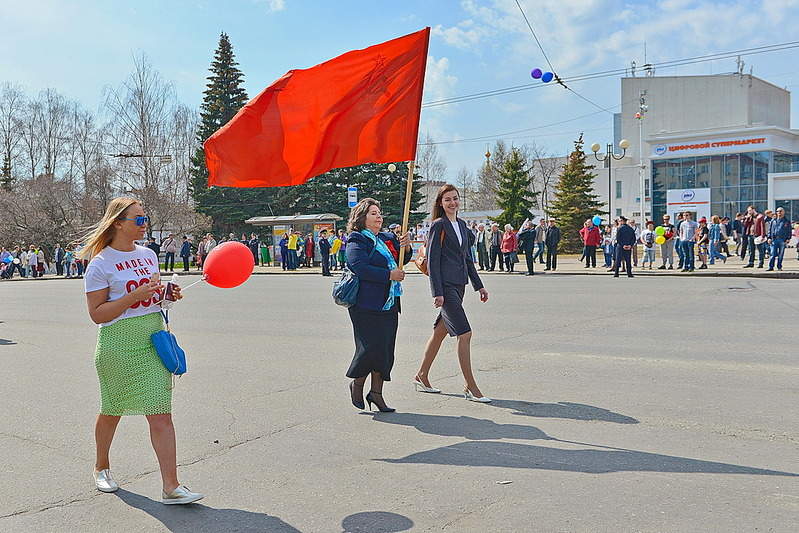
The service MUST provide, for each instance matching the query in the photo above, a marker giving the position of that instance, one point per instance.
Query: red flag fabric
(360, 107)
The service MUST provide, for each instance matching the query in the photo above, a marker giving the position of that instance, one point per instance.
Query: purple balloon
(546, 77)
(536, 73)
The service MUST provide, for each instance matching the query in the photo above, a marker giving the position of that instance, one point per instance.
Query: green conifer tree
(223, 97)
(575, 201)
(514, 194)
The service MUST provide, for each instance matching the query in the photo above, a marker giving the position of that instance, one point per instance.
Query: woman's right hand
(396, 275)
(438, 301)
(146, 291)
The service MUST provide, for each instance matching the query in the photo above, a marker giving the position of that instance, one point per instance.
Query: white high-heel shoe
(417, 384)
(472, 398)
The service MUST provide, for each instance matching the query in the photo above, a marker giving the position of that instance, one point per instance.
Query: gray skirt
(452, 312)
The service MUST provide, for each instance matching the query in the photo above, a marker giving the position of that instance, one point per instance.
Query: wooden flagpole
(407, 211)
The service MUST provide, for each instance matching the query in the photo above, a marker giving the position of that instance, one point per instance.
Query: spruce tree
(223, 97)
(514, 194)
(575, 201)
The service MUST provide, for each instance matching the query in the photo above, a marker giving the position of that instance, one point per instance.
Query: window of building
(716, 170)
(731, 174)
(688, 173)
(761, 192)
(618, 212)
(618, 189)
(762, 160)
(703, 171)
(747, 169)
(672, 174)
(647, 193)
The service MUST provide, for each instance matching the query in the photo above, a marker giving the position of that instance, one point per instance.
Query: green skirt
(133, 380)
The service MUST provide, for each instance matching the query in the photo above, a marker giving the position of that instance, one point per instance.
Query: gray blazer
(449, 262)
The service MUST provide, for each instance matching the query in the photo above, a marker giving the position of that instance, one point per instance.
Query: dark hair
(357, 220)
(438, 210)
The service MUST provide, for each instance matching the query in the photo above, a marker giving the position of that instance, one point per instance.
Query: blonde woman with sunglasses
(123, 293)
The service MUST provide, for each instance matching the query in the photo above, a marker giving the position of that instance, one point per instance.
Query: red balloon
(228, 265)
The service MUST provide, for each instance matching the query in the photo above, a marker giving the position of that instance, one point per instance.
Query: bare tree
(544, 168)
(431, 167)
(12, 104)
(30, 126)
(465, 182)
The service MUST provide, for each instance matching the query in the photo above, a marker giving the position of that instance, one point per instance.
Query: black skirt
(375, 335)
(452, 312)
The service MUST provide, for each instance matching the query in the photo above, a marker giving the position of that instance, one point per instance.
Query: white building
(709, 144)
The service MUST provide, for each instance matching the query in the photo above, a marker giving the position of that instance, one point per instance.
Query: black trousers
(59, 269)
(495, 253)
(325, 264)
(185, 262)
(552, 257)
(626, 256)
(528, 256)
(169, 261)
(589, 252)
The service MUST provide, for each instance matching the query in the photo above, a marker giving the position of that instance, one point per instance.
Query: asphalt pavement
(654, 404)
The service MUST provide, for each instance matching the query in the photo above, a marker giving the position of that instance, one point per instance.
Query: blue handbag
(167, 348)
(345, 290)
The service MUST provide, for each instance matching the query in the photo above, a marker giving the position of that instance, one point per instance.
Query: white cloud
(465, 35)
(438, 82)
(273, 5)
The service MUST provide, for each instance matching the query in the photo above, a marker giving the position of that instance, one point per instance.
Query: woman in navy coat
(373, 256)
(451, 268)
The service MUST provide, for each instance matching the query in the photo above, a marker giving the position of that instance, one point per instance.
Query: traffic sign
(352, 196)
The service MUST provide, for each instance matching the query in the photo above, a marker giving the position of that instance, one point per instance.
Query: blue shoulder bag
(345, 290)
(166, 345)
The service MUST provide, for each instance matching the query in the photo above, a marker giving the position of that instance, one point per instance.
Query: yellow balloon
(660, 239)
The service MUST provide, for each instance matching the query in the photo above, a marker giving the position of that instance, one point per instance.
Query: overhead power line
(617, 72)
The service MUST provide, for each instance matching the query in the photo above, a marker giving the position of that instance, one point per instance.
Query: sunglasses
(139, 221)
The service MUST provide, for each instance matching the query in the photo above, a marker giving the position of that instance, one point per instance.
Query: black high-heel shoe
(382, 408)
(356, 401)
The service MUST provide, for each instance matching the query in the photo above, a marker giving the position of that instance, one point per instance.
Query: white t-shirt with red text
(121, 273)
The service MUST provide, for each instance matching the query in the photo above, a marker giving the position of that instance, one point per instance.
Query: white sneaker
(104, 482)
(180, 495)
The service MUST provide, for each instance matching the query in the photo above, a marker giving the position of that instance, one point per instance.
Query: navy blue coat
(372, 271)
(449, 261)
(625, 236)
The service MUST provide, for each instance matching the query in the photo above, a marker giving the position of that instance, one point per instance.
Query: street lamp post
(608, 159)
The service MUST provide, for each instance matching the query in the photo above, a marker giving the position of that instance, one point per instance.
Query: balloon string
(192, 284)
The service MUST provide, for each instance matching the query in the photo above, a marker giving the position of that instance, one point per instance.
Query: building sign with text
(715, 146)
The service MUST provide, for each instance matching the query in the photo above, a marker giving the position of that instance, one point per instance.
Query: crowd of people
(34, 261)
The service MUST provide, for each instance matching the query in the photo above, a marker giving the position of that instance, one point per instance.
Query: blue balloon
(536, 73)
(546, 77)
(597, 220)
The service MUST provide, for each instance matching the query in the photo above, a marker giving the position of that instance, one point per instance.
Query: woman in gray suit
(451, 268)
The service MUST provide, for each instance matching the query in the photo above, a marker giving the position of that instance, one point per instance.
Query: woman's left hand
(405, 240)
(483, 295)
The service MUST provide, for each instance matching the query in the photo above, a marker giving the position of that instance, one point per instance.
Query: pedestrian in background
(185, 252)
(687, 234)
(678, 245)
(717, 235)
(482, 240)
(540, 236)
(778, 234)
(170, 248)
(648, 240)
(496, 248)
(508, 247)
(591, 238)
(527, 244)
(607, 246)
(667, 248)
(552, 240)
(625, 241)
(324, 252)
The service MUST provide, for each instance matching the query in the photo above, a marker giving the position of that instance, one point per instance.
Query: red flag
(360, 107)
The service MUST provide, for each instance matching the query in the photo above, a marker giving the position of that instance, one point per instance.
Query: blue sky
(81, 47)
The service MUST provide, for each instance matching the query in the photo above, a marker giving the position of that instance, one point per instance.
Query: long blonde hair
(102, 233)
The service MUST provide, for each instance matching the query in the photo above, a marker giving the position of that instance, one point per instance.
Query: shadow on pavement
(200, 518)
(376, 522)
(509, 455)
(463, 426)
(569, 410)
